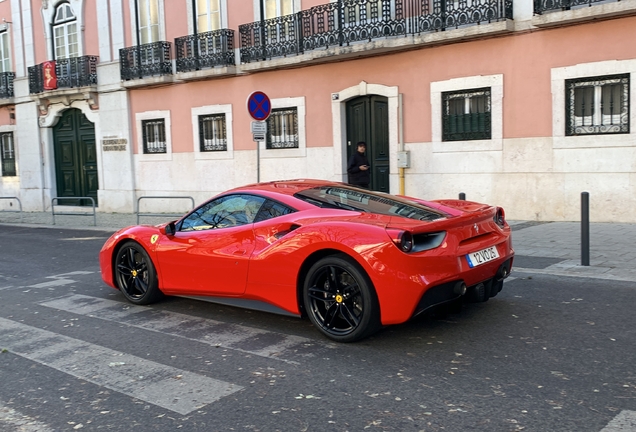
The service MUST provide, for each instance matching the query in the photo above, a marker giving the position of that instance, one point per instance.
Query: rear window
(354, 199)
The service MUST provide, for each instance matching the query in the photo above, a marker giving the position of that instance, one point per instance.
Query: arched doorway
(368, 121)
(75, 158)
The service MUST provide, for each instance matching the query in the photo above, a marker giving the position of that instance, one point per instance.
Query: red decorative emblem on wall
(50, 78)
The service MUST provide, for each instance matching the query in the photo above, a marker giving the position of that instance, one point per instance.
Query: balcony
(553, 13)
(6, 85)
(73, 72)
(351, 21)
(145, 61)
(205, 50)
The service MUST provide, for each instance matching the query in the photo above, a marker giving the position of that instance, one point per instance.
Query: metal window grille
(282, 128)
(466, 115)
(154, 135)
(7, 153)
(212, 133)
(597, 105)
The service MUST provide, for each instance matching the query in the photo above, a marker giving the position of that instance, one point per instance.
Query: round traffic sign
(259, 106)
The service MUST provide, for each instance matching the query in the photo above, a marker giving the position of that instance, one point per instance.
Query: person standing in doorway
(358, 167)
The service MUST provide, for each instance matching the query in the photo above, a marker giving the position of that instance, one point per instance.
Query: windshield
(354, 199)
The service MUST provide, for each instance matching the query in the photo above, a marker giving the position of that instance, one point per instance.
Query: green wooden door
(75, 158)
(368, 121)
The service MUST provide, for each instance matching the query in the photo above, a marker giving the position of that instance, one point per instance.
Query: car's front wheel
(340, 300)
(135, 274)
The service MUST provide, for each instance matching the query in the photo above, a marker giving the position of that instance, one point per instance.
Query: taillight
(402, 239)
(500, 217)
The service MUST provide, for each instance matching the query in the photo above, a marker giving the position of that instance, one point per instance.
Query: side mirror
(168, 229)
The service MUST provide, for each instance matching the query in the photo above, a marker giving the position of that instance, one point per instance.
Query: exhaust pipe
(459, 288)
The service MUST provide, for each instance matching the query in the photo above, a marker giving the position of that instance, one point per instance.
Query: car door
(210, 251)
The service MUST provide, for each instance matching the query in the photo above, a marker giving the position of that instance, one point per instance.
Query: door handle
(240, 252)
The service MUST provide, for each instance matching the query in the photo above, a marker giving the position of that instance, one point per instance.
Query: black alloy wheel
(135, 274)
(340, 300)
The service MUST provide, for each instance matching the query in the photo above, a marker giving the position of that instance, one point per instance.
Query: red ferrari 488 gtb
(350, 259)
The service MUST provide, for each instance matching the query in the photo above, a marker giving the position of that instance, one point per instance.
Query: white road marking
(53, 283)
(168, 387)
(625, 421)
(211, 332)
(59, 280)
(21, 422)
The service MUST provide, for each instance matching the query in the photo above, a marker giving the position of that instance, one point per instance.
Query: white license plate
(481, 257)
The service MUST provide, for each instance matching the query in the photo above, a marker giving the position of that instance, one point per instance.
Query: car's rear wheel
(135, 274)
(340, 300)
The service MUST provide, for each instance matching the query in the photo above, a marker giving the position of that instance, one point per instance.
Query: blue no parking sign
(259, 106)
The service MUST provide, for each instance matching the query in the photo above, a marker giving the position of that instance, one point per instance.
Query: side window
(148, 20)
(282, 128)
(223, 212)
(212, 133)
(277, 8)
(466, 115)
(272, 209)
(154, 135)
(597, 105)
(65, 32)
(7, 154)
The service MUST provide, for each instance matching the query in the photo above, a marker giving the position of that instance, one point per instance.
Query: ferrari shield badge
(154, 238)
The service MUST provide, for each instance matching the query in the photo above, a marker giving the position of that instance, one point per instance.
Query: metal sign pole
(259, 107)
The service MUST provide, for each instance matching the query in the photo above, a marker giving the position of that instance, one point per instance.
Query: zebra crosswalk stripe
(168, 387)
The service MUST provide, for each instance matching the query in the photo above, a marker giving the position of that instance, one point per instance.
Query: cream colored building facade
(523, 107)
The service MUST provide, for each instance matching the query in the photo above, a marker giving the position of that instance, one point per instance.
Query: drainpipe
(137, 31)
(401, 140)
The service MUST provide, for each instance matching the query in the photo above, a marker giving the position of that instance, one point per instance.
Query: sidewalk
(541, 247)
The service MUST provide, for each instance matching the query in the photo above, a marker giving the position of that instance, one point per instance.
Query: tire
(340, 299)
(135, 274)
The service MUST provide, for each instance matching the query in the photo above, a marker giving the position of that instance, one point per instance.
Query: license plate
(481, 257)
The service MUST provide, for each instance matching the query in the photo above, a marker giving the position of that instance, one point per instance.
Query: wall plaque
(114, 144)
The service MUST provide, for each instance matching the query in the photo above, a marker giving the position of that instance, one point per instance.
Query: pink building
(522, 103)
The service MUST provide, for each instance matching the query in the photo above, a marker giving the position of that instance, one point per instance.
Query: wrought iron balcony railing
(205, 50)
(346, 21)
(63, 73)
(6, 85)
(145, 60)
(541, 6)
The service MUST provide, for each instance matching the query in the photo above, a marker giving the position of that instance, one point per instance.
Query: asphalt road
(547, 354)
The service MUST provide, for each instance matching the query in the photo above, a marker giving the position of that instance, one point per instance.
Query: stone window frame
(495, 83)
(226, 109)
(153, 115)
(301, 151)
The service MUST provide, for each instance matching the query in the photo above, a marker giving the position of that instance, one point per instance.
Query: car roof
(285, 187)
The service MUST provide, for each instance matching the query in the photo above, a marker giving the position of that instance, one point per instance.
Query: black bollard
(462, 196)
(585, 228)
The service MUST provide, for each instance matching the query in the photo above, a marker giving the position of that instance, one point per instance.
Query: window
(5, 58)
(282, 128)
(597, 105)
(212, 133)
(276, 8)
(224, 212)
(148, 20)
(154, 135)
(208, 15)
(65, 37)
(7, 154)
(466, 115)
(361, 13)
(272, 209)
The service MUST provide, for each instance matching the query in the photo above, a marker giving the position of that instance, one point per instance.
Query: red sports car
(350, 259)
